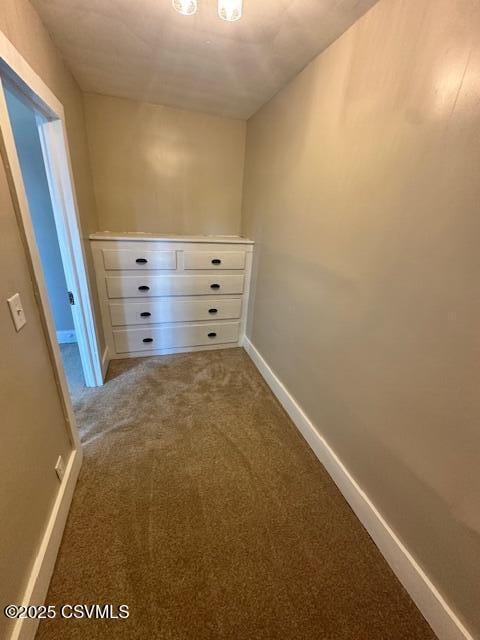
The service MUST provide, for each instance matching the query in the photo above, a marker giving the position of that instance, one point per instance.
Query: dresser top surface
(139, 236)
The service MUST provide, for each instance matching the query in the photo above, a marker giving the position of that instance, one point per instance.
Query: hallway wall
(22, 26)
(34, 429)
(361, 191)
(165, 170)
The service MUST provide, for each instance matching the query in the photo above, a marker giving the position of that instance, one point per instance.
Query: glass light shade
(230, 10)
(185, 7)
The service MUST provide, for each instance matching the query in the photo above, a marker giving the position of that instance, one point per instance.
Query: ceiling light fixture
(230, 10)
(185, 7)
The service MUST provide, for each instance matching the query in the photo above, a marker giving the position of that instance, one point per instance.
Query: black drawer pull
(144, 287)
(147, 340)
(212, 334)
(213, 311)
(145, 314)
(216, 261)
(141, 261)
(214, 286)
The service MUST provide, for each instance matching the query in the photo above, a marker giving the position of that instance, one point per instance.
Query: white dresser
(167, 294)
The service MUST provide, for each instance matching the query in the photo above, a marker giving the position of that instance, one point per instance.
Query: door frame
(53, 138)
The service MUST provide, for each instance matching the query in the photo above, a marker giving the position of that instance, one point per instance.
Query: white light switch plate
(16, 309)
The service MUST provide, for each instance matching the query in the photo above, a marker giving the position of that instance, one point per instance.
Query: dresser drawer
(147, 286)
(211, 260)
(148, 338)
(173, 310)
(127, 259)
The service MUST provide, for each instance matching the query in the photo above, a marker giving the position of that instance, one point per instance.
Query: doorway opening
(23, 120)
(34, 139)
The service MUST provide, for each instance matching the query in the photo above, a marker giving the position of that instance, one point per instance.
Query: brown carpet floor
(201, 507)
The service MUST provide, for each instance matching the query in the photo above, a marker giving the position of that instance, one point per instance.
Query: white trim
(145, 236)
(53, 138)
(60, 181)
(10, 58)
(426, 596)
(40, 576)
(246, 297)
(22, 211)
(105, 363)
(16, 70)
(66, 336)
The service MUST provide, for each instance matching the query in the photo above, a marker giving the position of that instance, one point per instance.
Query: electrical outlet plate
(60, 468)
(16, 309)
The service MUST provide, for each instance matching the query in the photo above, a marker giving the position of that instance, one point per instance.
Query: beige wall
(362, 191)
(20, 23)
(34, 430)
(161, 169)
(22, 26)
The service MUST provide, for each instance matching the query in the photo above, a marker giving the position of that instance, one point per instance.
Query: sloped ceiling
(145, 50)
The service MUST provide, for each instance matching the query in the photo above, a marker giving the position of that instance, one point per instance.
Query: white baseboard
(40, 576)
(423, 592)
(105, 363)
(66, 336)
